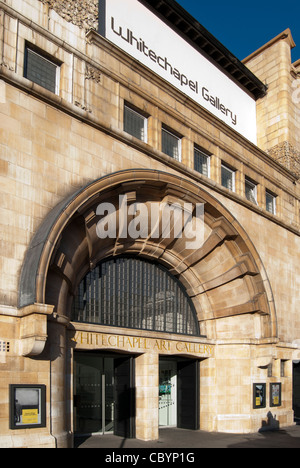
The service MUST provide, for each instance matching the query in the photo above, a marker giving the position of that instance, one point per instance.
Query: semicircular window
(133, 293)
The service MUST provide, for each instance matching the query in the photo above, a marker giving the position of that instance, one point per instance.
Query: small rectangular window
(270, 370)
(201, 162)
(270, 202)
(135, 123)
(41, 70)
(283, 368)
(171, 144)
(251, 191)
(228, 177)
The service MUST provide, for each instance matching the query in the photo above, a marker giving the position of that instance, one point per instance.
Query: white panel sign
(140, 33)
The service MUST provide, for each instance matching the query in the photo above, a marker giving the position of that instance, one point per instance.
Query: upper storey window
(251, 191)
(228, 177)
(41, 70)
(201, 162)
(171, 144)
(270, 202)
(135, 123)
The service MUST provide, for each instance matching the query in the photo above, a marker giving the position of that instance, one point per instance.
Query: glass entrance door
(93, 393)
(167, 393)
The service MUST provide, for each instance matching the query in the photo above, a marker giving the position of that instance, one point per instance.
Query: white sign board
(140, 33)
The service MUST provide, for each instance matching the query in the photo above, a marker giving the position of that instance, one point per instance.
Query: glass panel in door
(108, 396)
(93, 394)
(167, 393)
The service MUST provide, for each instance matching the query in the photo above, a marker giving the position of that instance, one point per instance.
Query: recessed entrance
(179, 393)
(167, 393)
(104, 394)
(296, 389)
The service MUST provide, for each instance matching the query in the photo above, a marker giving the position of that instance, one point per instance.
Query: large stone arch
(225, 278)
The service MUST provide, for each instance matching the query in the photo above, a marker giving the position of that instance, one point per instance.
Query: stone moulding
(66, 246)
(33, 329)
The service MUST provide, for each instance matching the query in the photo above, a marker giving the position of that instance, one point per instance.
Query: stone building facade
(278, 113)
(233, 343)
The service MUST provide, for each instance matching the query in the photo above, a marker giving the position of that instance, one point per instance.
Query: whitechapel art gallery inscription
(91, 340)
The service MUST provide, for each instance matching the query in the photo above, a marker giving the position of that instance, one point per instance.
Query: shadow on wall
(272, 424)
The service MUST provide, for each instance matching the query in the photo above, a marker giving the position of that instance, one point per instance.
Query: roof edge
(286, 34)
(192, 31)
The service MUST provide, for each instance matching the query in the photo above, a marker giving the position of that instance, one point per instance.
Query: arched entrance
(132, 293)
(224, 280)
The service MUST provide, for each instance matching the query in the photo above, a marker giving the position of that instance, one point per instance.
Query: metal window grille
(201, 162)
(41, 71)
(132, 293)
(270, 203)
(270, 370)
(251, 191)
(282, 368)
(228, 178)
(135, 124)
(171, 145)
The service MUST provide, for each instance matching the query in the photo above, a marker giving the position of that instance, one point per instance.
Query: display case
(27, 406)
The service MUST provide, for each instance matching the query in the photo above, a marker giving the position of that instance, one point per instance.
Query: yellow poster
(30, 416)
(276, 400)
(257, 401)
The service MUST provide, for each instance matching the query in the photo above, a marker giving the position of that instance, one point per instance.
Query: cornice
(285, 35)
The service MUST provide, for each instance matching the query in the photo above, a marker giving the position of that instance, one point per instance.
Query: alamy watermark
(155, 220)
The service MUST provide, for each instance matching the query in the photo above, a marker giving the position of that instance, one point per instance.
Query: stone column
(147, 371)
(57, 350)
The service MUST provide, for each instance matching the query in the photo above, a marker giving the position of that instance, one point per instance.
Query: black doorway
(188, 394)
(296, 389)
(104, 394)
(124, 397)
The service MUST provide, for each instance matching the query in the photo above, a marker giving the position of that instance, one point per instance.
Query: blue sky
(244, 26)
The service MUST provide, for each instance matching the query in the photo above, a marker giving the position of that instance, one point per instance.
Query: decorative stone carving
(83, 13)
(33, 329)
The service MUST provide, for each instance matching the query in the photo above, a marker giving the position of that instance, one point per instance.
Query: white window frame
(274, 202)
(207, 156)
(179, 140)
(142, 116)
(233, 176)
(253, 187)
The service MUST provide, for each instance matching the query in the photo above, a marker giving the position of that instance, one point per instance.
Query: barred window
(133, 293)
(201, 162)
(135, 123)
(41, 70)
(251, 191)
(228, 177)
(171, 144)
(270, 202)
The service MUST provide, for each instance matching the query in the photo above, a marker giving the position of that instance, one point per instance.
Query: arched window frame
(113, 295)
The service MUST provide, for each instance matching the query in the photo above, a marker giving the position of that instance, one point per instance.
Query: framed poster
(275, 394)
(27, 406)
(259, 395)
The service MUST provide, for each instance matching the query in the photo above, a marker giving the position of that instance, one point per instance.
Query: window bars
(132, 293)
